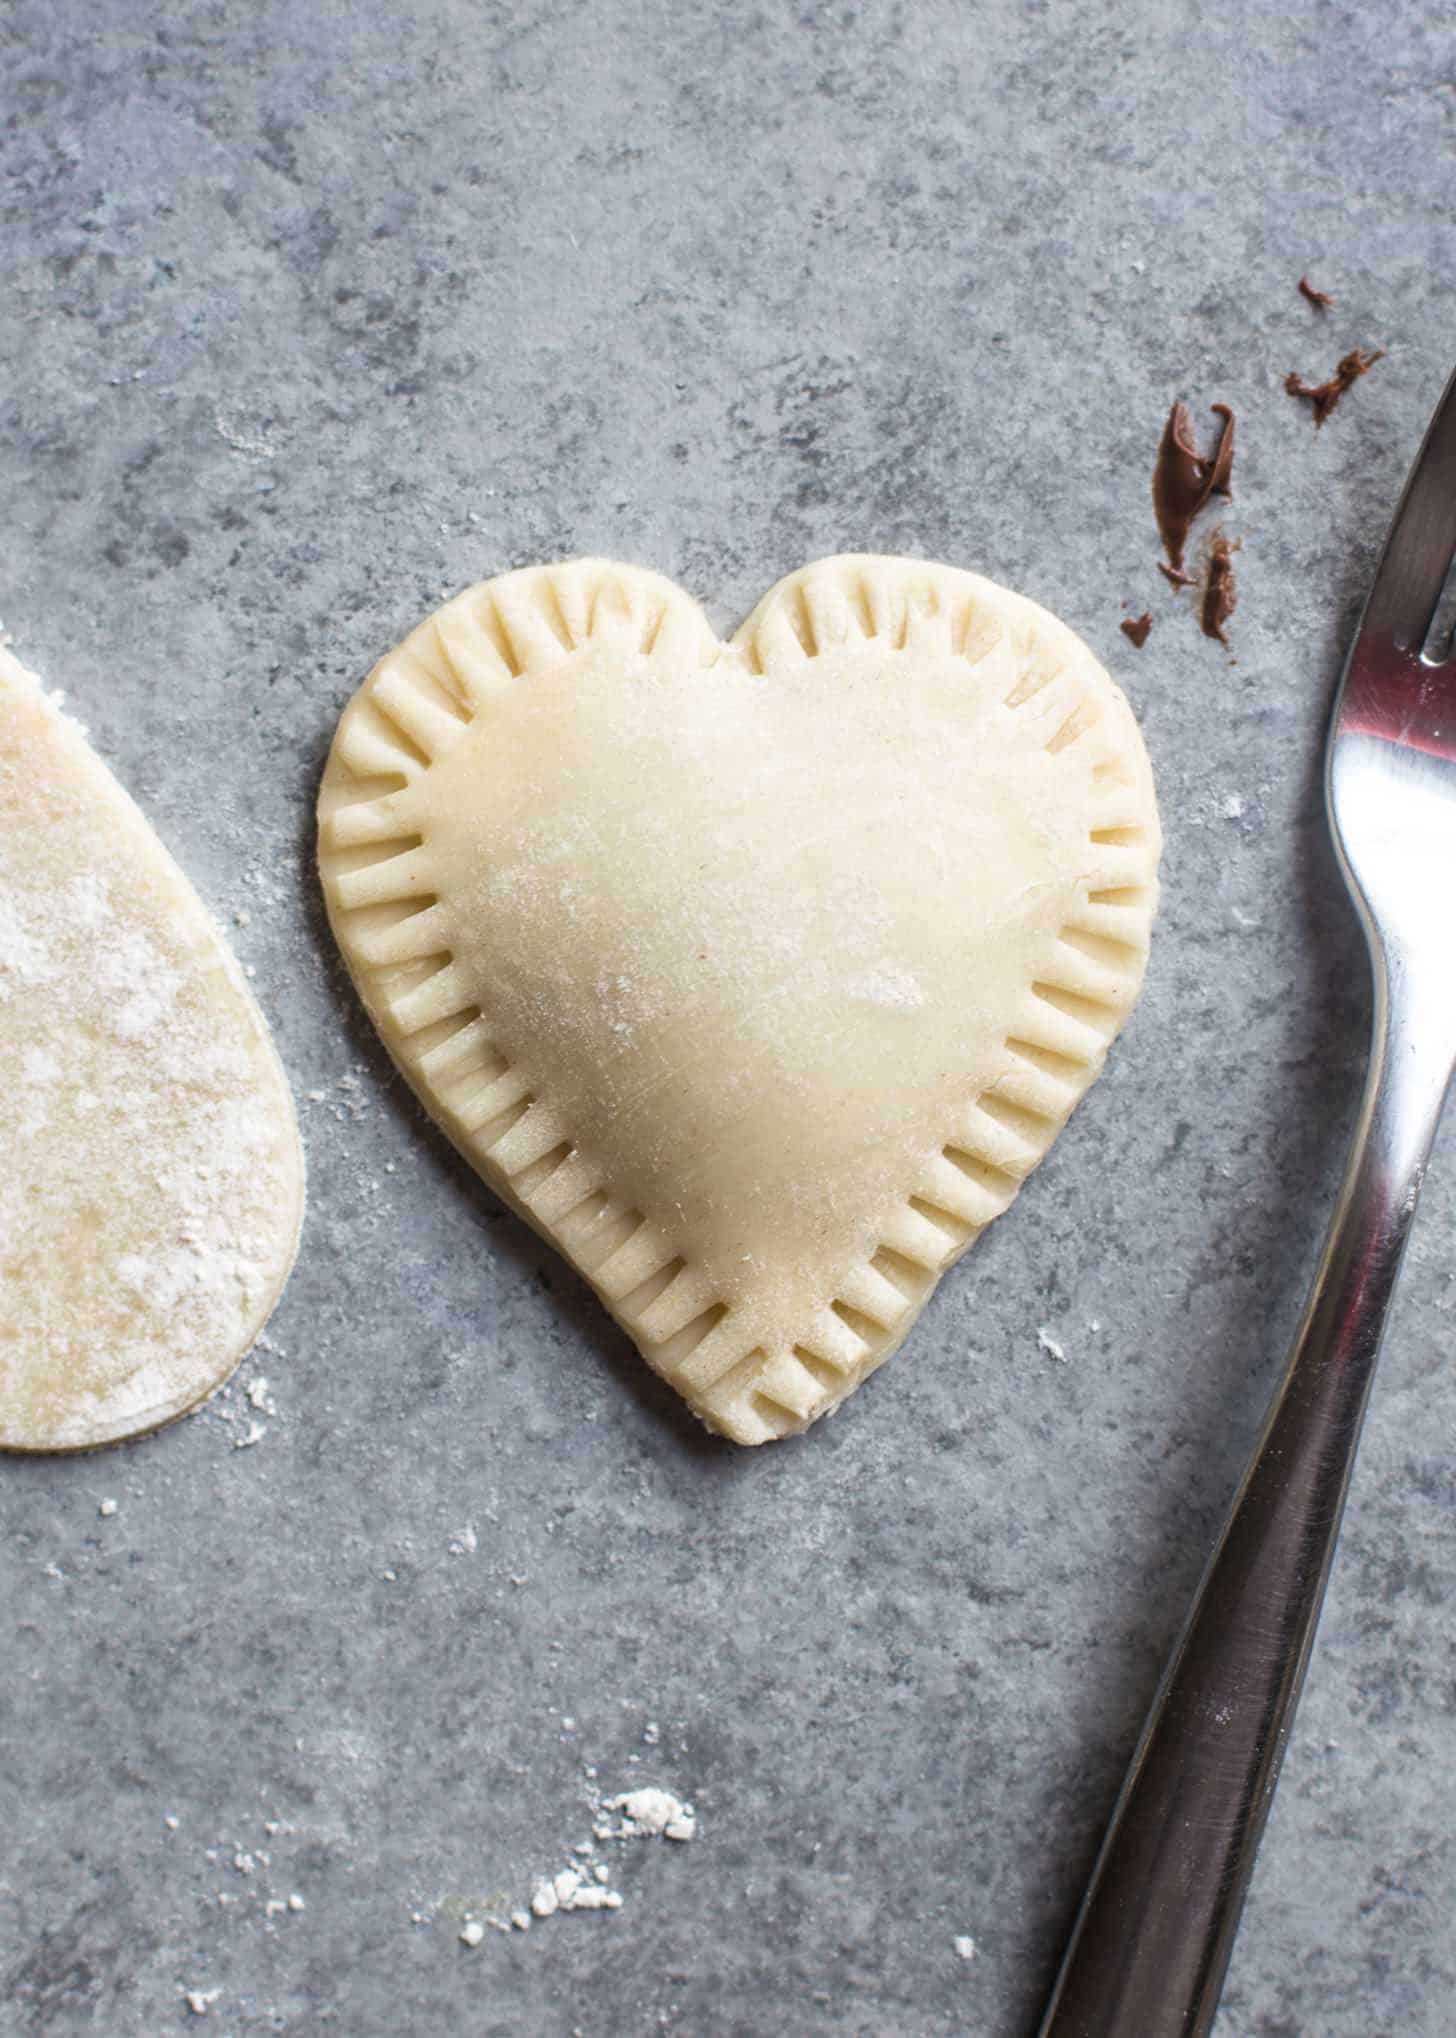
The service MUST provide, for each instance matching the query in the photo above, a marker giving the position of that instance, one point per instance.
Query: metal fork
(1152, 1941)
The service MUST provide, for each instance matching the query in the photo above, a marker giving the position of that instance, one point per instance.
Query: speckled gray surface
(312, 316)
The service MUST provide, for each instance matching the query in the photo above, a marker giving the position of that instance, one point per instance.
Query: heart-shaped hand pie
(756, 976)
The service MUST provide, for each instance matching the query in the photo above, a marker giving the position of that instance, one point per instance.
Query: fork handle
(1152, 1940)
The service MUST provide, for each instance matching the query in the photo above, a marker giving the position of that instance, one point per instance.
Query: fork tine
(1422, 541)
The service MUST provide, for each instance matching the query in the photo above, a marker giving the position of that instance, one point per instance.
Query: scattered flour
(584, 1885)
(200, 2000)
(258, 1870)
(653, 1811)
(249, 436)
(570, 1891)
(965, 1947)
(107, 1509)
(238, 1404)
(1050, 1346)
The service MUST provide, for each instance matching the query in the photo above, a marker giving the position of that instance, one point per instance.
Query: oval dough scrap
(757, 976)
(151, 1178)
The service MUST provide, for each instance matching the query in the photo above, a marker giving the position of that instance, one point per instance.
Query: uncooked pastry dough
(756, 976)
(151, 1181)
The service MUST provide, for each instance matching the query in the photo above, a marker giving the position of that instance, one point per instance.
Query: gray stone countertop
(314, 315)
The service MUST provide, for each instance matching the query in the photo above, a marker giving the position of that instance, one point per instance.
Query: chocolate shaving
(1320, 299)
(1220, 590)
(1184, 478)
(1136, 628)
(1325, 395)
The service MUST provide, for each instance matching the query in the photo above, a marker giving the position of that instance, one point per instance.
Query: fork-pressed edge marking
(1032, 1129)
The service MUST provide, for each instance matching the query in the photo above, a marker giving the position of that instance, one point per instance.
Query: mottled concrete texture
(312, 316)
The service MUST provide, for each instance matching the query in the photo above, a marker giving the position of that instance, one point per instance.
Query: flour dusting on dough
(182, 1130)
(149, 1181)
(894, 989)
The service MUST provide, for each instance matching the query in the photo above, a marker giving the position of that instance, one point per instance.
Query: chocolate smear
(1325, 395)
(1320, 299)
(1220, 589)
(1184, 478)
(1173, 576)
(1136, 628)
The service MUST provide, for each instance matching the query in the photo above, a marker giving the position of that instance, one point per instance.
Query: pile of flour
(585, 1884)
